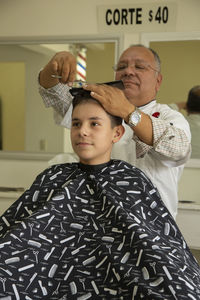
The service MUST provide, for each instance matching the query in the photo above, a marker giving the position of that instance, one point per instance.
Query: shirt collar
(149, 104)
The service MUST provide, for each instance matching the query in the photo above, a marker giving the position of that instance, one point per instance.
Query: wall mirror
(179, 68)
(180, 54)
(25, 124)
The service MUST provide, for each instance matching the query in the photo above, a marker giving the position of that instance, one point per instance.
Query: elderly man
(157, 138)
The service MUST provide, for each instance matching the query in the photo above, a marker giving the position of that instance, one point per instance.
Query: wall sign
(148, 17)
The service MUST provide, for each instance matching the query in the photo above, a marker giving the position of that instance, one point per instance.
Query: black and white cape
(94, 232)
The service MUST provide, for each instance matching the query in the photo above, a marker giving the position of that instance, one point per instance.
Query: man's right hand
(62, 64)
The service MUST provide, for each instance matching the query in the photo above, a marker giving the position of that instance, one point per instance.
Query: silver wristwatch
(134, 118)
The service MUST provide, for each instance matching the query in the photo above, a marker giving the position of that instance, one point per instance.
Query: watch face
(135, 118)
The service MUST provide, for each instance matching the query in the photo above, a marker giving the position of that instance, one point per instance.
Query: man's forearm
(170, 142)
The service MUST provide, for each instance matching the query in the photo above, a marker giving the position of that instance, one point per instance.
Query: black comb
(79, 91)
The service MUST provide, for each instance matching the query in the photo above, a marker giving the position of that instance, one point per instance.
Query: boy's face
(92, 136)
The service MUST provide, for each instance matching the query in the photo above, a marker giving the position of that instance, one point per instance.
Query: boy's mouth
(83, 144)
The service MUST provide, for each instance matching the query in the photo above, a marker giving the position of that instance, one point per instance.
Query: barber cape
(94, 232)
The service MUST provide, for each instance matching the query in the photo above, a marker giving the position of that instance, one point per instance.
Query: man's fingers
(54, 66)
(72, 75)
(65, 70)
(64, 65)
(93, 88)
(97, 97)
(68, 74)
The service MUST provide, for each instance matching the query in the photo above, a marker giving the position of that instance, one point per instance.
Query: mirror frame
(146, 38)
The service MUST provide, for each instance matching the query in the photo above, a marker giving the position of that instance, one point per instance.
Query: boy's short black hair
(78, 99)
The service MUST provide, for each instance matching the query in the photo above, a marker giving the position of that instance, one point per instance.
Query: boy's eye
(75, 124)
(94, 124)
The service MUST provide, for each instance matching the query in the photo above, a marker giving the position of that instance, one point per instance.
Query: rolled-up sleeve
(57, 97)
(170, 141)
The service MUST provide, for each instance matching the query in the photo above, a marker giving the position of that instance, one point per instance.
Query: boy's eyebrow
(91, 118)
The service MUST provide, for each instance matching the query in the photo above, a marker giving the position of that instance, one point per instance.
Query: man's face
(137, 70)
(91, 133)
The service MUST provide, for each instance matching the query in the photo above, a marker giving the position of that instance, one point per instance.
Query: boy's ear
(118, 133)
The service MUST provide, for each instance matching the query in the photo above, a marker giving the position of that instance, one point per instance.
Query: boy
(96, 229)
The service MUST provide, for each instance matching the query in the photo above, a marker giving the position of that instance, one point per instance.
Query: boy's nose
(83, 131)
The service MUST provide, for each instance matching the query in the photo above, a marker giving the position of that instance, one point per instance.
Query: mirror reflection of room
(21, 106)
(180, 74)
(191, 110)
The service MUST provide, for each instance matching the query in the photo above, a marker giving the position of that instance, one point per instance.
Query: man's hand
(62, 64)
(115, 102)
(112, 99)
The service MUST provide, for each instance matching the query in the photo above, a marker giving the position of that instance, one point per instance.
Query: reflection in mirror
(180, 69)
(25, 124)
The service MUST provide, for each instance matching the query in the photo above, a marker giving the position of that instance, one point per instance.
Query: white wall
(67, 18)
